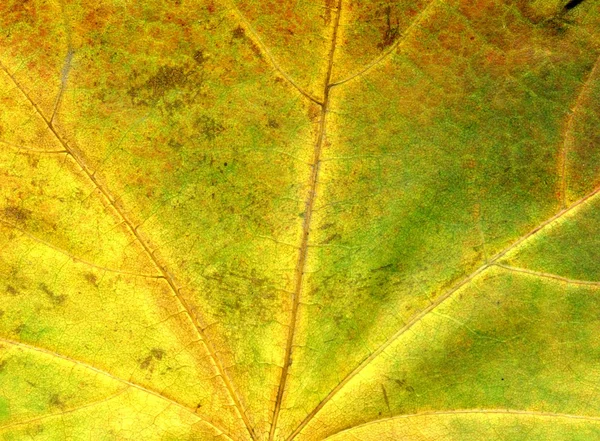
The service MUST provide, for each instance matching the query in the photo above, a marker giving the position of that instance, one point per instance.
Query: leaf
(299, 220)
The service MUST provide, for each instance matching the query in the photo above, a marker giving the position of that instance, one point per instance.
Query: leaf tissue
(299, 220)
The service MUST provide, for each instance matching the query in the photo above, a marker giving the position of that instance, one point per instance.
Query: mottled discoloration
(17, 214)
(257, 220)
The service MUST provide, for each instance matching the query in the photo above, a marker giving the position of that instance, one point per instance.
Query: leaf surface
(299, 220)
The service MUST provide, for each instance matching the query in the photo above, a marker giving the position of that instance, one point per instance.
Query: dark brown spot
(199, 57)
(238, 33)
(12, 290)
(273, 123)
(17, 214)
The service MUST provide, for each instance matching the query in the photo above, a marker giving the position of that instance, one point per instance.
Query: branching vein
(41, 350)
(401, 39)
(267, 52)
(308, 211)
(417, 318)
(548, 275)
(75, 258)
(62, 412)
(530, 413)
(569, 136)
(162, 269)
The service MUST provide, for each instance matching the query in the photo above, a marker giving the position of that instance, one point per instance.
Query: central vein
(308, 211)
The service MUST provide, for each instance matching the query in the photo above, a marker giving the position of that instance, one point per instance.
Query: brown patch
(91, 278)
(273, 123)
(54, 298)
(56, 401)
(155, 354)
(255, 49)
(12, 290)
(185, 79)
(556, 26)
(238, 33)
(17, 214)
(391, 31)
(164, 80)
(145, 363)
(176, 145)
(199, 57)
(209, 127)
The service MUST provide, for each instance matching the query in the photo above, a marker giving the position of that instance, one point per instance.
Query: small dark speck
(225, 164)
(573, 4)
